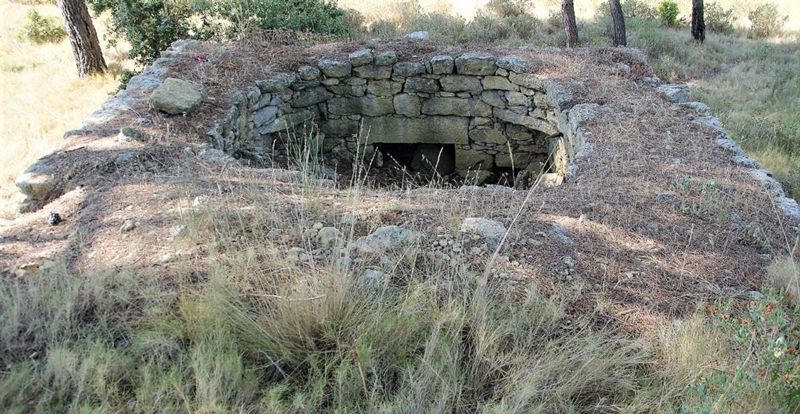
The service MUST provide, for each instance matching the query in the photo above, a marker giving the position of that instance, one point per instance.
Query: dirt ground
(659, 217)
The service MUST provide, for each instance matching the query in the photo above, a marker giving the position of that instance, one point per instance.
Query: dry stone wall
(491, 110)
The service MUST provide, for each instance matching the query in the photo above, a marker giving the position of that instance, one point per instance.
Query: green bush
(638, 9)
(668, 13)
(718, 19)
(150, 26)
(441, 27)
(40, 29)
(508, 8)
(766, 21)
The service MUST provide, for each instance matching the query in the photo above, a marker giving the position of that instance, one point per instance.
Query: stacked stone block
(492, 110)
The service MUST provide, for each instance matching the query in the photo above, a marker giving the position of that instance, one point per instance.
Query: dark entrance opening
(427, 160)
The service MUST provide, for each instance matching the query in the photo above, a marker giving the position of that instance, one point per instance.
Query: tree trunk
(620, 38)
(568, 14)
(698, 21)
(82, 37)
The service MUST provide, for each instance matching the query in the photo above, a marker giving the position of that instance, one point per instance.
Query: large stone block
(493, 98)
(384, 87)
(361, 57)
(476, 64)
(348, 90)
(386, 58)
(311, 96)
(424, 85)
(287, 122)
(177, 96)
(487, 136)
(373, 72)
(456, 106)
(461, 83)
(514, 64)
(442, 65)
(430, 130)
(518, 160)
(264, 115)
(524, 120)
(498, 83)
(335, 68)
(527, 80)
(407, 105)
(339, 128)
(277, 83)
(367, 106)
(406, 69)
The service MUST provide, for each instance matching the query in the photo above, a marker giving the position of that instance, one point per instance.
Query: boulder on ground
(177, 96)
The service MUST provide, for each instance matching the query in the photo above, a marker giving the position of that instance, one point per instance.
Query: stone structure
(472, 113)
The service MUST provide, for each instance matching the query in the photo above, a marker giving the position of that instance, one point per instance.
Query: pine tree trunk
(82, 37)
(568, 14)
(620, 38)
(698, 21)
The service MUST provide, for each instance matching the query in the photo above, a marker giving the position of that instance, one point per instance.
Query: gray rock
(653, 81)
(527, 80)
(557, 95)
(668, 198)
(476, 64)
(487, 136)
(675, 92)
(746, 162)
(177, 96)
(176, 231)
(472, 160)
(386, 58)
(407, 105)
(442, 65)
(421, 36)
(335, 68)
(429, 130)
(128, 134)
(143, 83)
(372, 277)
(580, 114)
(461, 83)
(339, 128)
(424, 85)
(493, 98)
(366, 106)
(490, 231)
(200, 200)
(384, 87)
(387, 239)
(308, 73)
(557, 233)
(276, 84)
(406, 69)
(99, 117)
(215, 156)
(498, 83)
(38, 181)
(514, 64)
(311, 96)
(373, 72)
(328, 237)
(125, 157)
(127, 226)
(265, 115)
(361, 57)
(456, 106)
(698, 107)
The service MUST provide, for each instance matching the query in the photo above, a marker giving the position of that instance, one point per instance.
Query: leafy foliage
(40, 29)
(151, 25)
(508, 8)
(766, 20)
(764, 335)
(719, 19)
(668, 13)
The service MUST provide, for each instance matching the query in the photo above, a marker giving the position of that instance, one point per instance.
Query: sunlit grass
(41, 96)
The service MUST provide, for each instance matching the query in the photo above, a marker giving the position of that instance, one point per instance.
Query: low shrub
(638, 9)
(668, 13)
(719, 19)
(766, 21)
(40, 29)
(441, 27)
(508, 8)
